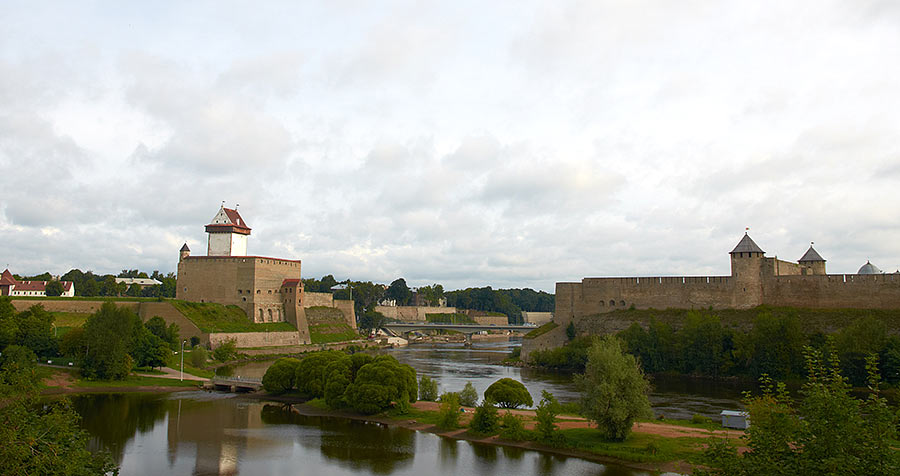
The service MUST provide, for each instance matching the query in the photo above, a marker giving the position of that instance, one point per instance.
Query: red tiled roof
(290, 282)
(237, 257)
(67, 285)
(7, 278)
(31, 285)
(235, 218)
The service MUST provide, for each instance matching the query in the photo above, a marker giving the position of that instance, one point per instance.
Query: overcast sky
(512, 144)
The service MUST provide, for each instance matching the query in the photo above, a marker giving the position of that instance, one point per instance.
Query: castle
(755, 280)
(267, 289)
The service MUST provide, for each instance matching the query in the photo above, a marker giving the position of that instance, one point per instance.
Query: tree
(829, 432)
(432, 295)
(168, 334)
(468, 397)
(279, 377)
(199, 356)
(380, 382)
(148, 350)
(41, 437)
(486, 420)
(226, 351)
(134, 290)
(508, 393)
(545, 413)
(34, 329)
(371, 319)
(108, 338)
(399, 291)
(54, 288)
(613, 389)
(428, 389)
(312, 371)
(448, 415)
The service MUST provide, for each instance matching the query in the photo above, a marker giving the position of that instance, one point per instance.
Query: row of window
(612, 303)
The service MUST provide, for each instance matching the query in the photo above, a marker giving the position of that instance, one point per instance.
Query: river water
(200, 433)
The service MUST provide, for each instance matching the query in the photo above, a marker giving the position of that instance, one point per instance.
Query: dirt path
(173, 374)
(568, 421)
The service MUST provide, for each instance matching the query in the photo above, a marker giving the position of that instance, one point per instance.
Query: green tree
(279, 377)
(448, 415)
(312, 372)
(428, 389)
(54, 288)
(34, 329)
(613, 389)
(512, 427)
(829, 432)
(468, 397)
(707, 345)
(371, 319)
(432, 295)
(108, 339)
(199, 357)
(486, 420)
(545, 414)
(399, 291)
(774, 346)
(41, 437)
(148, 350)
(508, 393)
(380, 382)
(168, 334)
(226, 351)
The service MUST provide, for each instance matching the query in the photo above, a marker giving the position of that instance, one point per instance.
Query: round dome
(869, 268)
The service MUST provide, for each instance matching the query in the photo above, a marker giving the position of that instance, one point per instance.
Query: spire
(747, 245)
(811, 255)
(185, 247)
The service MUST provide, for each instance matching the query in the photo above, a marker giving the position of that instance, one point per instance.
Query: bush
(199, 357)
(486, 420)
(313, 370)
(700, 419)
(613, 389)
(226, 351)
(428, 389)
(380, 382)
(508, 393)
(468, 397)
(448, 417)
(512, 428)
(279, 377)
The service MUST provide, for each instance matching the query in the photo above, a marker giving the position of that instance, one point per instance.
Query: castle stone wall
(256, 339)
(318, 299)
(539, 318)
(83, 307)
(412, 313)
(861, 291)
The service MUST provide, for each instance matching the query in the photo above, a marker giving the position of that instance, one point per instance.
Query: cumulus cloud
(526, 144)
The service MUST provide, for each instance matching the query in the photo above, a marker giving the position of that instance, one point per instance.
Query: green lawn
(175, 363)
(69, 319)
(138, 381)
(639, 447)
(211, 317)
(327, 324)
(541, 330)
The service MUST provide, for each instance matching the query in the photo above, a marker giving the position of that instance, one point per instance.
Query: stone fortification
(412, 313)
(81, 307)
(346, 306)
(256, 339)
(755, 280)
(538, 318)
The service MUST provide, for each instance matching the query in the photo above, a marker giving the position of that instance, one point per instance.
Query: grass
(327, 324)
(175, 363)
(136, 381)
(638, 447)
(541, 330)
(69, 319)
(86, 298)
(212, 317)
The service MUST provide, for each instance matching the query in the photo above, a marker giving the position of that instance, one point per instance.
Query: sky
(467, 143)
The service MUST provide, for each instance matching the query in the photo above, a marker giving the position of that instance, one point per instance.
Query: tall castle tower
(228, 234)
(747, 261)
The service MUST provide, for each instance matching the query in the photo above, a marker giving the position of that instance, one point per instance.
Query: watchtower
(747, 262)
(228, 234)
(812, 262)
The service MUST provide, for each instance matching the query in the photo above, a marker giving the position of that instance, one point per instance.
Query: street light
(182, 359)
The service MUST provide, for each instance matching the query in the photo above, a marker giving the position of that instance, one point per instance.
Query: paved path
(174, 374)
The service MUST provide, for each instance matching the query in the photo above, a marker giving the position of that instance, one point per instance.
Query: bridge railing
(237, 379)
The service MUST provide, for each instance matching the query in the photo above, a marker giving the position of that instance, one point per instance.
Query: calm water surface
(453, 365)
(200, 433)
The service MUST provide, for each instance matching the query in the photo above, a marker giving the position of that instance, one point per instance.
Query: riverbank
(62, 381)
(661, 447)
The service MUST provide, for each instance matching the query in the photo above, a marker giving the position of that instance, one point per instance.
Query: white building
(142, 282)
(9, 286)
(228, 234)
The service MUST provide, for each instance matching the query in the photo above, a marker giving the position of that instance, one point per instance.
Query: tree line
(88, 284)
(773, 345)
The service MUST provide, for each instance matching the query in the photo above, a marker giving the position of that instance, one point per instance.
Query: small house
(735, 419)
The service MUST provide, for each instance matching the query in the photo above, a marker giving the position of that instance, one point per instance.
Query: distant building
(10, 286)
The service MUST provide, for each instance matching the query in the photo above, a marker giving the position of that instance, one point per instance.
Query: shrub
(195, 341)
(226, 351)
(700, 419)
(199, 357)
(512, 428)
(311, 372)
(468, 397)
(448, 417)
(380, 382)
(279, 377)
(509, 393)
(428, 389)
(486, 420)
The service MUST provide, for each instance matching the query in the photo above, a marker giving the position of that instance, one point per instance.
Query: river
(200, 433)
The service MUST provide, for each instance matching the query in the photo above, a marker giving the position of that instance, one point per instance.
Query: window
(260, 315)
(612, 303)
(270, 315)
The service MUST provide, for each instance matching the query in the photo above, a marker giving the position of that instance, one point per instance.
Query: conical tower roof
(185, 248)
(746, 245)
(811, 255)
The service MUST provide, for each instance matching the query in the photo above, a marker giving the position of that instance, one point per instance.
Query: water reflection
(198, 433)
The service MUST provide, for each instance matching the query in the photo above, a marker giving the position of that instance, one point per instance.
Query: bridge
(234, 384)
(467, 329)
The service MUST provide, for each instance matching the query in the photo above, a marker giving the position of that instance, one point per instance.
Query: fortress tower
(747, 263)
(228, 234)
(812, 262)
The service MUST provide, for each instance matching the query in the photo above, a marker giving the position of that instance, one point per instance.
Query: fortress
(267, 289)
(755, 280)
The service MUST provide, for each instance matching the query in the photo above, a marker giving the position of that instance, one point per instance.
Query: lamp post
(182, 359)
